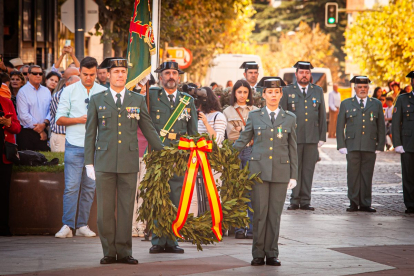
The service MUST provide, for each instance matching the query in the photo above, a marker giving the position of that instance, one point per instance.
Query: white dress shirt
(114, 94)
(301, 88)
(174, 93)
(276, 112)
(365, 100)
(334, 100)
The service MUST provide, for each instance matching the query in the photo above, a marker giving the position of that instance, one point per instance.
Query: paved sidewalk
(309, 245)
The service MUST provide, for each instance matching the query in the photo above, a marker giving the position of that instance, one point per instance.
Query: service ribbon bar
(198, 156)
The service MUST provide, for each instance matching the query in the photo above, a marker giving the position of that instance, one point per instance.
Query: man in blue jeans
(71, 113)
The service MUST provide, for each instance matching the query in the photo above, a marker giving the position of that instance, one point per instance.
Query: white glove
(90, 171)
(320, 144)
(343, 151)
(292, 184)
(377, 151)
(399, 149)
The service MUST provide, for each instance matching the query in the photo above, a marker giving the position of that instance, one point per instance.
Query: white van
(225, 67)
(321, 77)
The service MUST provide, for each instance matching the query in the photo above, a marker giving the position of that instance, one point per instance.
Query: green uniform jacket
(402, 127)
(361, 129)
(275, 157)
(160, 112)
(310, 112)
(113, 136)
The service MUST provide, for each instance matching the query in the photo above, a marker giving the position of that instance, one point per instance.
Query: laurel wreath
(234, 192)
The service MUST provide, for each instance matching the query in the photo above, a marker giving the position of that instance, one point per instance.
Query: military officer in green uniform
(275, 156)
(171, 126)
(402, 129)
(111, 154)
(306, 101)
(360, 134)
(251, 74)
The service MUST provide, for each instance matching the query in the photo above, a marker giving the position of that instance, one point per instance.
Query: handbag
(244, 123)
(10, 150)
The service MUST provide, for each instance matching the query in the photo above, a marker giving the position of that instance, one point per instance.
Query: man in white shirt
(334, 103)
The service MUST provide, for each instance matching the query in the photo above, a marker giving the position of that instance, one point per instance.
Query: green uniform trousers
(176, 185)
(119, 189)
(268, 199)
(308, 155)
(407, 165)
(360, 170)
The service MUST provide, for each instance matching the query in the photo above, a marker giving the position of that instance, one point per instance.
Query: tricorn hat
(249, 65)
(274, 83)
(169, 65)
(109, 63)
(360, 80)
(410, 75)
(306, 65)
(261, 83)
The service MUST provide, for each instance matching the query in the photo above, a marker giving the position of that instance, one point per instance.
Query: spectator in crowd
(388, 120)
(229, 84)
(213, 85)
(396, 89)
(103, 77)
(138, 227)
(58, 133)
(52, 80)
(334, 103)
(71, 113)
(6, 66)
(17, 63)
(382, 100)
(70, 71)
(213, 122)
(408, 89)
(4, 88)
(25, 72)
(33, 108)
(17, 80)
(241, 103)
(67, 50)
(377, 93)
(9, 126)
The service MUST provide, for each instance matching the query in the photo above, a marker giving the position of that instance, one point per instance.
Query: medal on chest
(372, 116)
(279, 132)
(184, 115)
(133, 113)
(314, 102)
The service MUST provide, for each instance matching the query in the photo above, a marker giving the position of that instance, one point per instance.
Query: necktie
(361, 103)
(304, 92)
(171, 100)
(118, 100)
(272, 117)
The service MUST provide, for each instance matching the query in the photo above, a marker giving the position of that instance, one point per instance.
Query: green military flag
(140, 43)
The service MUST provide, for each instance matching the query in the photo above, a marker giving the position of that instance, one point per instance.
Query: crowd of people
(86, 112)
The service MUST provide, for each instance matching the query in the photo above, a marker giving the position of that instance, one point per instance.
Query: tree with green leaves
(383, 51)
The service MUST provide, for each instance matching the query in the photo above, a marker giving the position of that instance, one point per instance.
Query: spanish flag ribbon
(198, 156)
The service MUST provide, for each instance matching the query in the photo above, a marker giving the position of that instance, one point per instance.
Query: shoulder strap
(184, 101)
(241, 117)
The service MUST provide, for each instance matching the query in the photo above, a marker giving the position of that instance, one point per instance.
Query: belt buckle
(172, 136)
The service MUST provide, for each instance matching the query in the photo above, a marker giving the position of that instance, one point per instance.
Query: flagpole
(156, 15)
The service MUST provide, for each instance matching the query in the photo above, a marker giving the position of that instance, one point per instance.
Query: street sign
(181, 55)
(331, 14)
(68, 14)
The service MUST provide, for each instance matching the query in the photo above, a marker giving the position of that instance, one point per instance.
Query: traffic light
(331, 14)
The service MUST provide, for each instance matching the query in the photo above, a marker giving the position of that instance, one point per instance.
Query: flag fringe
(131, 84)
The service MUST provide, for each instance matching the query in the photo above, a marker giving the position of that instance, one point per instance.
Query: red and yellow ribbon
(198, 156)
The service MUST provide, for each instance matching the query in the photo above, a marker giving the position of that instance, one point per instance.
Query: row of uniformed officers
(286, 134)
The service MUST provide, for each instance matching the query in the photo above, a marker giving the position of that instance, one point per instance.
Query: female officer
(274, 135)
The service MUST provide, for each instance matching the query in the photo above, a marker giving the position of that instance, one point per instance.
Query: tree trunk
(107, 39)
(1, 26)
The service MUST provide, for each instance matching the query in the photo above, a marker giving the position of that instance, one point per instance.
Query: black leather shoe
(128, 260)
(307, 207)
(239, 235)
(367, 209)
(352, 208)
(175, 249)
(409, 211)
(108, 260)
(273, 261)
(293, 207)
(249, 236)
(155, 249)
(257, 261)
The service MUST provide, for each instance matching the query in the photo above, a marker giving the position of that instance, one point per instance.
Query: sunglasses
(16, 73)
(25, 73)
(87, 102)
(37, 74)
